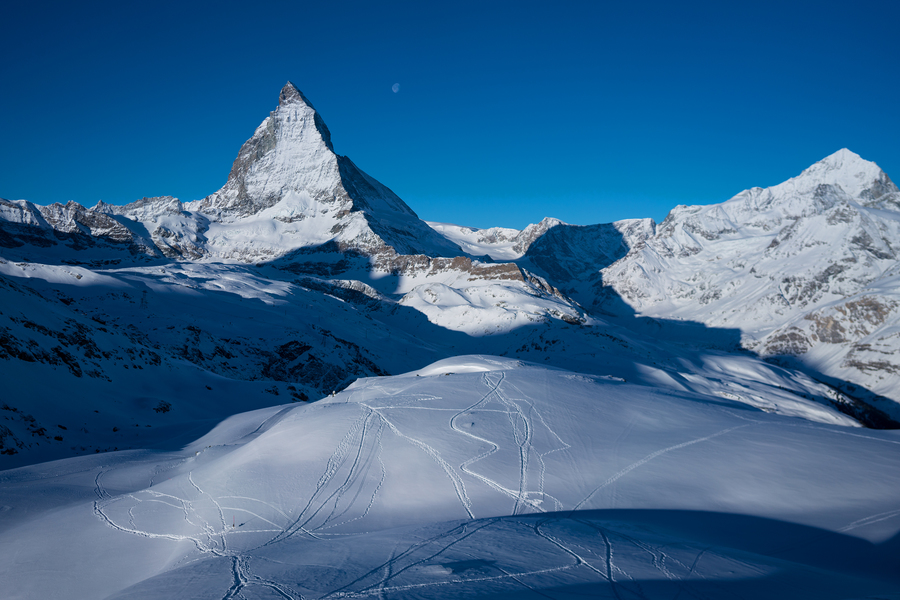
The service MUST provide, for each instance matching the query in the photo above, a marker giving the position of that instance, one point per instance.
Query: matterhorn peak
(289, 173)
(290, 153)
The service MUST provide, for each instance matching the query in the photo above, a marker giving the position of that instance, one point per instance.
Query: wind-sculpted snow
(476, 476)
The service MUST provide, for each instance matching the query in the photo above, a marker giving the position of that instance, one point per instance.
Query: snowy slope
(474, 477)
(652, 454)
(804, 271)
(191, 336)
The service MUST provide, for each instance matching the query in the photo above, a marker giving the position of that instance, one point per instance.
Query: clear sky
(506, 112)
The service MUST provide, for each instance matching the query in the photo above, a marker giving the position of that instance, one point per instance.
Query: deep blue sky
(506, 113)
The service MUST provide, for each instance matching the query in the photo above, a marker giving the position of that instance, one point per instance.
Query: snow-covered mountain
(200, 341)
(287, 190)
(807, 270)
(288, 183)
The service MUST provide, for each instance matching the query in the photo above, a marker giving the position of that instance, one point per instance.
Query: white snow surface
(477, 476)
(288, 189)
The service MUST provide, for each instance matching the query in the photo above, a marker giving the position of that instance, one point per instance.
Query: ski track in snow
(579, 560)
(454, 582)
(253, 514)
(335, 461)
(622, 585)
(523, 427)
(522, 437)
(458, 485)
(650, 457)
(376, 452)
(101, 492)
(211, 547)
(243, 577)
(346, 482)
(870, 520)
(523, 440)
(464, 467)
(380, 586)
(563, 446)
(272, 506)
(208, 527)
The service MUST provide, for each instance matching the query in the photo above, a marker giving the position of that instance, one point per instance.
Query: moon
(396, 87)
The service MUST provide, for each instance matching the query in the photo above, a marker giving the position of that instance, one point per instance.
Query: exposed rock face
(290, 152)
(573, 256)
(70, 227)
(175, 232)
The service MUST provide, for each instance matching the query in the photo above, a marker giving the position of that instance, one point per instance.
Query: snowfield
(476, 476)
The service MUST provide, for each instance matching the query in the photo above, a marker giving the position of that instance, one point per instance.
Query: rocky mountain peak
(291, 94)
(290, 153)
(289, 173)
(857, 177)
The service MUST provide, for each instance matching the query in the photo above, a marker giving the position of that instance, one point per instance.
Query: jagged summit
(291, 93)
(289, 153)
(288, 172)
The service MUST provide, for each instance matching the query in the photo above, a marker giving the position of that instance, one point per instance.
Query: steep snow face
(790, 266)
(21, 212)
(474, 477)
(290, 151)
